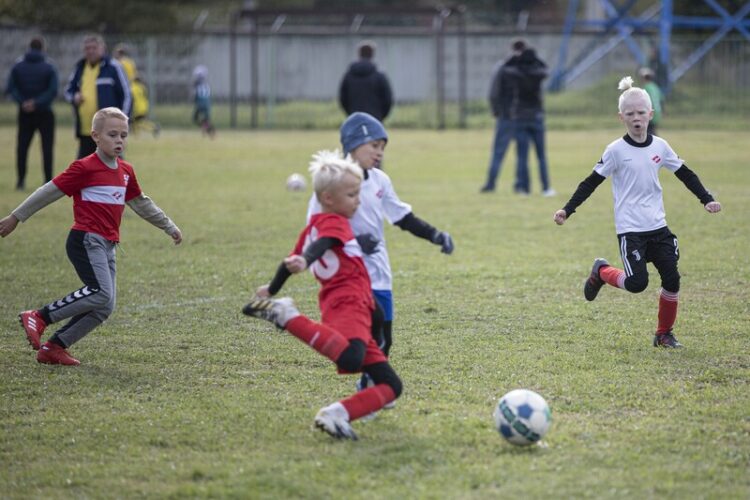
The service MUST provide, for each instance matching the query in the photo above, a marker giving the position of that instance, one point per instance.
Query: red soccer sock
(367, 401)
(613, 276)
(320, 337)
(667, 311)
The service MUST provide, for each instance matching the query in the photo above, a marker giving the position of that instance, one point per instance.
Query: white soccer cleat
(334, 420)
(277, 311)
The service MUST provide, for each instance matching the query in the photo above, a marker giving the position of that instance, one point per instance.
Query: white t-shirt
(378, 201)
(634, 169)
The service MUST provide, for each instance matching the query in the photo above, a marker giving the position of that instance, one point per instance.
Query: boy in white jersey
(101, 184)
(633, 162)
(365, 138)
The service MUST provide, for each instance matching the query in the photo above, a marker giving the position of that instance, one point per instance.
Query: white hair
(329, 167)
(629, 92)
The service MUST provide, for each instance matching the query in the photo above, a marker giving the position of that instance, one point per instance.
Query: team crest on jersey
(379, 194)
(637, 255)
(656, 159)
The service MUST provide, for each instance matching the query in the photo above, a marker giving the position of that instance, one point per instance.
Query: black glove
(369, 243)
(445, 241)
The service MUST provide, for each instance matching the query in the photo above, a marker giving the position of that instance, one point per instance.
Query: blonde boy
(633, 162)
(329, 249)
(101, 184)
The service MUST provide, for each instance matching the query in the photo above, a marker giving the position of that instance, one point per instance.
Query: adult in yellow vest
(97, 82)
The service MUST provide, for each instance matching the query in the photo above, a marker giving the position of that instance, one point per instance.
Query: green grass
(179, 395)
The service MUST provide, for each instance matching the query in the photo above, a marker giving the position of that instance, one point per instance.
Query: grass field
(179, 395)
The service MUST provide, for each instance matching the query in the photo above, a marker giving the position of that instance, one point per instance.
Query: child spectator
(656, 96)
(202, 100)
(100, 184)
(633, 162)
(365, 139)
(328, 247)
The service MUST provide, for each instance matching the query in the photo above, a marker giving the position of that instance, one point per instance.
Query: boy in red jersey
(633, 162)
(100, 184)
(327, 247)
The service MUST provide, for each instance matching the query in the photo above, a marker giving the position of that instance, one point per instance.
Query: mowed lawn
(179, 395)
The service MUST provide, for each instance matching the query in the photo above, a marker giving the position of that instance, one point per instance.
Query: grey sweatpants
(93, 257)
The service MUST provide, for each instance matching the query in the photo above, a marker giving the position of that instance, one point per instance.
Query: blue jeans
(504, 130)
(530, 129)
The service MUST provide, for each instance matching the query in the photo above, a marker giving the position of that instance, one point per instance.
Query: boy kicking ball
(633, 162)
(327, 247)
(101, 184)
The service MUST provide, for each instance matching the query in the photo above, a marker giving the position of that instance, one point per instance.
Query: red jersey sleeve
(71, 180)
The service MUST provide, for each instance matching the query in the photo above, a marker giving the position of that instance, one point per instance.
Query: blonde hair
(328, 168)
(100, 116)
(629, 92)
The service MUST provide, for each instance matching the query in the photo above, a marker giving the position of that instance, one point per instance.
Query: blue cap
(361, 128)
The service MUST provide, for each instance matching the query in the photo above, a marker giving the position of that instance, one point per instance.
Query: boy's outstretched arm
(147, 210)
(694, 184)
(584, 190)
(422, 229)
(296, 264)
(36, 201)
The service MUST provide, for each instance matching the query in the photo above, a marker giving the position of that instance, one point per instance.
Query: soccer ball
(522, 417)
(295, 182)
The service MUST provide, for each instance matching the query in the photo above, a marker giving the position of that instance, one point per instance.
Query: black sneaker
(594, 283)
(277, 311)
(666, 340)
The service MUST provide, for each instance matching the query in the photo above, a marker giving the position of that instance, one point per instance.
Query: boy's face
(112, 137)
(635, 114)
(369, 154)
(343, 198)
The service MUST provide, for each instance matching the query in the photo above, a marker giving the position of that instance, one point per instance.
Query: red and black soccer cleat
(667, 340)
(594, 283)
(34, 325)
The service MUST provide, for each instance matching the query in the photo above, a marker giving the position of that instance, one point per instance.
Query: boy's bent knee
(383, 373)
(636, 283)
(350, 360)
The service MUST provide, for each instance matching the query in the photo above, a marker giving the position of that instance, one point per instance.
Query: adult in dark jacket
(33, 85)
(96, 82)
(502, 95)
(364, 88)
(528, 110)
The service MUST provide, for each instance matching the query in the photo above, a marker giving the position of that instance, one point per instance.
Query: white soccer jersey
(634, 169)
(378, 201)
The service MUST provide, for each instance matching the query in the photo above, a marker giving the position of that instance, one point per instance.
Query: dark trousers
(28, 123)
(86, 146)
(504, 131)
(531, 130)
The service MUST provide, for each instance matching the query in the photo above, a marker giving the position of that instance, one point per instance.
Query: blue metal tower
(619, 25)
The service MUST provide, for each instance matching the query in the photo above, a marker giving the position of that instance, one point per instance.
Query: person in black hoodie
(528, 111)
(32, 83)
(364, 88)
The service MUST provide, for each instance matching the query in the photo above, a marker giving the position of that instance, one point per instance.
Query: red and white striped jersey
(99, 194)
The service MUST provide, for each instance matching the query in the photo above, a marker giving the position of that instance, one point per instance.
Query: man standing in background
(96, 82)
(33, 85)
(503, 93)
(364, 88)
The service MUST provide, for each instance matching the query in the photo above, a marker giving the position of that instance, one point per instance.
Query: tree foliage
(133, 16)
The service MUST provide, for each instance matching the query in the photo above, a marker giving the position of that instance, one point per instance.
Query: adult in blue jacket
(32, 83)
(97, 82)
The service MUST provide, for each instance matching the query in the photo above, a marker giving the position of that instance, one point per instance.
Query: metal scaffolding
(619, 25)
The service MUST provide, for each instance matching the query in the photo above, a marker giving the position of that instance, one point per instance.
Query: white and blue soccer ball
(296, 182)
(522, 417)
